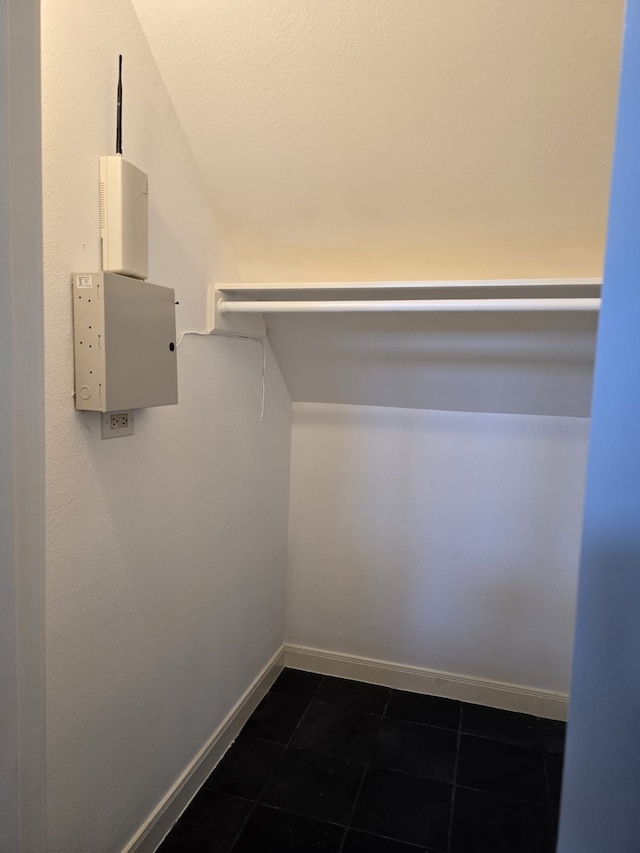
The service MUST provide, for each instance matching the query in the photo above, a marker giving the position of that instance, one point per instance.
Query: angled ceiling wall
(391, 139)
(406, 139)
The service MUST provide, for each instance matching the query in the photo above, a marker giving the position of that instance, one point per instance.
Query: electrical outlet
(117, 424)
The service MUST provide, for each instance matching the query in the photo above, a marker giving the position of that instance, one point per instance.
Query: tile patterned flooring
(326, 764)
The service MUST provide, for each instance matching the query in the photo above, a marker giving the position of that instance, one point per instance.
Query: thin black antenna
(119, 110)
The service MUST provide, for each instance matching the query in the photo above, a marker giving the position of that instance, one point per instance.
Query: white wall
(22, 757)
(8, 707)
(378, 139)
(444, 540)
(524, 363)
(165, 551)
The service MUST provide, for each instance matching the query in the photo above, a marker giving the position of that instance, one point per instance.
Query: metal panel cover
(136, 324)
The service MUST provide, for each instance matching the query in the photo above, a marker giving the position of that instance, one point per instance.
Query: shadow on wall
(540, 364)
(438, 539)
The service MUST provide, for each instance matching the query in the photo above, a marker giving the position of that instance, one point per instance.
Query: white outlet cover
(116, 432)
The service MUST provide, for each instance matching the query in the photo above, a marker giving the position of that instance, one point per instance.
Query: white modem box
(124, 215)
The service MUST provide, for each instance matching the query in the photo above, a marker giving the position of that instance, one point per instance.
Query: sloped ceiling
(398, 139)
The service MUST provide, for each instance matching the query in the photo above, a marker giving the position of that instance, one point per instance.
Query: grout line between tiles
(365, 769)
(244, 823)
(507, 798)
(257, 801)
(550, 812)
(455, 779)
(289, 742)
(386, 704)
(304, 714)
(368, 764)
(303, 815)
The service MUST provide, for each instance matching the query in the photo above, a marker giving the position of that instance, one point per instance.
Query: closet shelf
(558, 294)
(493, 358)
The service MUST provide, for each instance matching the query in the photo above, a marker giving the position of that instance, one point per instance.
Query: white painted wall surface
(22, 753)
(8, 660)
(379, 139)
(530, 363)
(165, 551)
(444, 540)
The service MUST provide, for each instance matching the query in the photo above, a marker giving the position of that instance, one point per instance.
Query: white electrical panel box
(124, 214)
(125, 343)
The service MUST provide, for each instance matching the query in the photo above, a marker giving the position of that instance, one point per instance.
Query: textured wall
(153, 577)
(22, 756)
(393, 139)
(527, 363)
(444, 540)
(333, 140)
(8, 660)
(402, 139)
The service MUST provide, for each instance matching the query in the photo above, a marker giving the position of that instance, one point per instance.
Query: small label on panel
(84, 281)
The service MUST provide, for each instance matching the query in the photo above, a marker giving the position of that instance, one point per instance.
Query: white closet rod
(226, 306)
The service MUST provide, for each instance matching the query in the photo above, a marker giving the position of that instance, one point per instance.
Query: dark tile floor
(331, 765)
